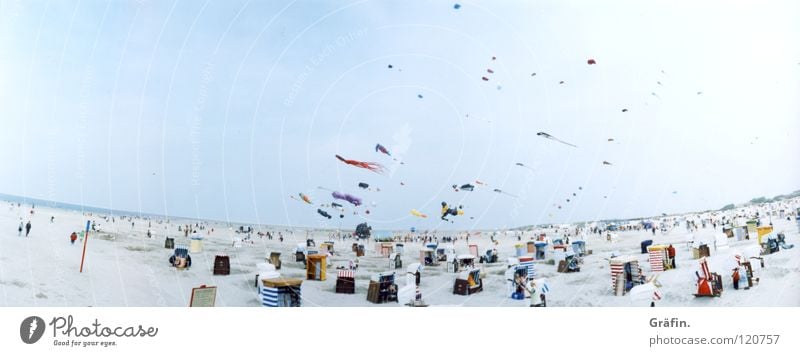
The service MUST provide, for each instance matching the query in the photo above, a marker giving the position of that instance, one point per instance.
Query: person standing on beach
(671, 254)
(27, 228)
(19, 230)
(73, 237)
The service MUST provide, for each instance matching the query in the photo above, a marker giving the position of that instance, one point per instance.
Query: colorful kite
(381, 149)
(416, 213)
(446, 210)
(372, 166)
(349, 198)
(305, 198)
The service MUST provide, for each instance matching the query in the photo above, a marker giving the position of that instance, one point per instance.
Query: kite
(533, 74)
(450, 211)
(323, 213)
(502, 192)
(419, 96)
(485, 79)
(524, 166)
(390, 66)
(490, 71)
(580, 188)
(624, 110)
(659, 83)
(416, 213)
(457, 6)
(341, 216)
(699, 92)
(305, 198)
(349, 198)
(574, 195)
(381, 149)
(548, 136)
(372, 166)
(567, 200)
(655, 95)
(336, 205)
(363, 185)
(591, 61)
(607, 163)
(610, 140)
(479, 182)
(466, 187)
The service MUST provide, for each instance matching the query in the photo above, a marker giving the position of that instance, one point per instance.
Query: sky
(228, 110)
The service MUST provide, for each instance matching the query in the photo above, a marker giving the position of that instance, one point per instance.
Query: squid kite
(372, 166)
(305, 198)
(548, 136)
(416, 213)
(349, 198)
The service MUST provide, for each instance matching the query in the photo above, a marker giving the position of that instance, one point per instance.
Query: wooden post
(85, 240)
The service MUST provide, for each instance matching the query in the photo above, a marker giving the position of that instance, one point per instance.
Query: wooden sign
(203, 296)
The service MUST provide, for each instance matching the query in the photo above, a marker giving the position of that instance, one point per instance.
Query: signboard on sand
(203, 296)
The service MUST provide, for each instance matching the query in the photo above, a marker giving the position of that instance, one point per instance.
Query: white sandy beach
(125, 268)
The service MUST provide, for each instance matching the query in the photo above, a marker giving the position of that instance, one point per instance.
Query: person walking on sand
(19, 230)
(73, 237)
(27, 228)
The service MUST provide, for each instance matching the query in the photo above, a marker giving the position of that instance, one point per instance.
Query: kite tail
(372, 166)
(567, 143)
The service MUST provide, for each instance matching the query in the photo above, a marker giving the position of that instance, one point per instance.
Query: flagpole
(85, 240)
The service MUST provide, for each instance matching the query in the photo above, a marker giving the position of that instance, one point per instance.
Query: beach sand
(125, 268)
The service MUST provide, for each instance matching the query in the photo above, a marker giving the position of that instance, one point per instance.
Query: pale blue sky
(222, 109)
